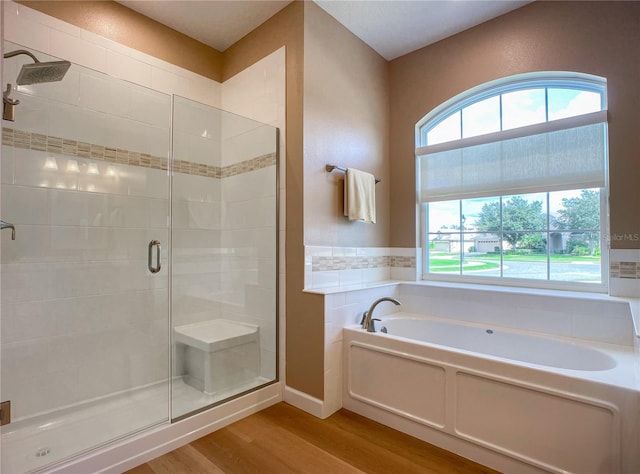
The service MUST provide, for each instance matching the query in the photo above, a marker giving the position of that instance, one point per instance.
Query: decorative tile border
(63, 146)
(200, 169)
(323, 264)
(346, 267)
(402, 262)
(259, 162)
(630, 270)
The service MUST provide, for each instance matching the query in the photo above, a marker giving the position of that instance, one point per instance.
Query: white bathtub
(512, 401)
(501, 343)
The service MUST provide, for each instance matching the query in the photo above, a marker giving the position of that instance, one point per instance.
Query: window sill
(522, 284)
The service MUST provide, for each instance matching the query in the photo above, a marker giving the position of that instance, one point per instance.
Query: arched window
(511, 180)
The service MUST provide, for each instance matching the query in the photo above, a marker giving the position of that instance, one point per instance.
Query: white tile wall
(256, 141)
(590, 317)
(255, 93)
(124, 67)
(24, 26)
(115, 97)
(82, 108)
(342, 309)
(249, 237)
(258, 92)
(197, 136)
(406, 274)
(629, 287)
(65, 45)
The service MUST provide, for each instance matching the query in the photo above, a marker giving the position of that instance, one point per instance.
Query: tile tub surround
(629, 270)
(624, 273)
(585, 316)
(341, 267)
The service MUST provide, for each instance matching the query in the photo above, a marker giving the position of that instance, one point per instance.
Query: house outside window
(511, 181)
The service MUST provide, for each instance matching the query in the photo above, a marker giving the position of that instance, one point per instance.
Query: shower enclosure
(141, 285)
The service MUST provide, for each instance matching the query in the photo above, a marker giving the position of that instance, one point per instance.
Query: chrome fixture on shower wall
(9, 105)
(7, 225)
(35, 73)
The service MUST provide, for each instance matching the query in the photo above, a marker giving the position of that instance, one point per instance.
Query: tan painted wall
(125, 26)
(599, 38)
(346, 115)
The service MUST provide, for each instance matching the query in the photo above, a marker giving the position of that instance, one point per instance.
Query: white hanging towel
(360, 196)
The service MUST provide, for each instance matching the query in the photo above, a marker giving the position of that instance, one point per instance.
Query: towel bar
(330, 168)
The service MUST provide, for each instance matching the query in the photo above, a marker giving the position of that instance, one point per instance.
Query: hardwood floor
(283, 439)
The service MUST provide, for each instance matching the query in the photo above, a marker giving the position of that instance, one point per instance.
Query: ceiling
(217, 23)
(391, 27)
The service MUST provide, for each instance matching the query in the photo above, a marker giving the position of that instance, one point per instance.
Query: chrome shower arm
(18, 52)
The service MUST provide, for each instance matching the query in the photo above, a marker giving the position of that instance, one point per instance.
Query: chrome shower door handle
(156, 244)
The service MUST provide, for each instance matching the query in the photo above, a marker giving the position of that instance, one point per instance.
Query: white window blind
(562, 154)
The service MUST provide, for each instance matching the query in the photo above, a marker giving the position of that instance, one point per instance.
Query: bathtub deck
(285, 439)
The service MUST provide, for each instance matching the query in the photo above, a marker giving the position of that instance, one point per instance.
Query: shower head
(42, 72)
(39, 72)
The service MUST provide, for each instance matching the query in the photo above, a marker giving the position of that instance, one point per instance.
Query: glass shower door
(224, 256)
(85, 288)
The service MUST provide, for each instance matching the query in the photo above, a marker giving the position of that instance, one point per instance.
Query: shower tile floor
(36, 442)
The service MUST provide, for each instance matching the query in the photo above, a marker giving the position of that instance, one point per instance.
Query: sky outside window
(565, 103)
(518, 109)
(481, 118)
(521, 108)
(446, 131)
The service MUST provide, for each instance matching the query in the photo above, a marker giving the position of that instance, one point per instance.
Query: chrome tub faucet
(367, 317)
